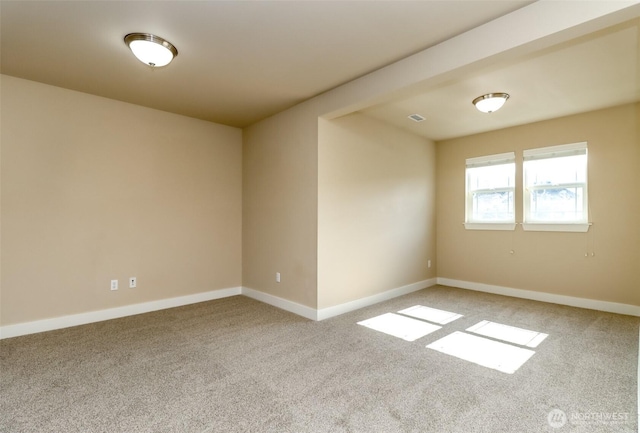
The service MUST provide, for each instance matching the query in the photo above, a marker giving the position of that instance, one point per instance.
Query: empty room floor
(238, 365)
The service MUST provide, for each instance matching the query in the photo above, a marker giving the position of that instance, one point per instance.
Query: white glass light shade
(490, 102)
(151, 50)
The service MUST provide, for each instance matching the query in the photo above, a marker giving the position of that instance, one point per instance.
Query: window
(490, 192)
(555, 188)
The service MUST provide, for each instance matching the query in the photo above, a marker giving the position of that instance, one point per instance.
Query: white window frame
(485, 161)
(551, 152)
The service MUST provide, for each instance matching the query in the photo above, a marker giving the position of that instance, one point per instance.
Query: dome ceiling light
(151, 49)
(490, 102)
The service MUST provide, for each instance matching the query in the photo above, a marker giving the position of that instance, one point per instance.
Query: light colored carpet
(237, 365)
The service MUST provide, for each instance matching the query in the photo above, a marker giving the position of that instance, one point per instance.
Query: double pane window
(490, 186)
(555, 185)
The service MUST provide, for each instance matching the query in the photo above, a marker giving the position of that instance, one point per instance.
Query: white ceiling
(238, 61)
(241, 61)
(588, 73)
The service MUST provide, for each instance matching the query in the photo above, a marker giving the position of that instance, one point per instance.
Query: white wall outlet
(277, 277)
(429, 263)
(132, 282)
(114, 284)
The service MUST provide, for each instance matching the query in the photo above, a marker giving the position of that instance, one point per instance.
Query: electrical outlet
(114, 284)
(429, 263)
(277, 277)
(132, 282)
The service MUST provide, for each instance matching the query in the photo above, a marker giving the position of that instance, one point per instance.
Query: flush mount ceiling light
(490, 102)
(150, 49)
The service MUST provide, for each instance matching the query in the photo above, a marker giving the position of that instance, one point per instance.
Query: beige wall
(94, 189)
(280, 184)
(550, 261)
(158, 194)
(280, 153)
(376, 209)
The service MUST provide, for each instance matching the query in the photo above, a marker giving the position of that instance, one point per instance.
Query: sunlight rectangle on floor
(487, 353)
(507, 333)
(431, 314)
(399, 326)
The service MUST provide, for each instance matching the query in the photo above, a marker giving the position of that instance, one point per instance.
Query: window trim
(490, 226)
(551, 152)
(486, 161)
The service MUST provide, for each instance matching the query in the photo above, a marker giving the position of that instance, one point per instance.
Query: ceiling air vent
(416, 117)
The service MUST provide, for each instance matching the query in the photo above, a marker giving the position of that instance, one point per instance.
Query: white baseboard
(336, 310)
(591, 304)
(9, 331)
(325, 313)
(283, 304)
(19, 329)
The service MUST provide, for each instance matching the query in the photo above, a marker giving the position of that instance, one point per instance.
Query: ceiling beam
(531, 28)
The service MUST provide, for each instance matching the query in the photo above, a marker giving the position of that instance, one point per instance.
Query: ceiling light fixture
(490, 102)
(150, 49)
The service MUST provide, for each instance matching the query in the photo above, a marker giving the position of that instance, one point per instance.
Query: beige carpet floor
(237, 365)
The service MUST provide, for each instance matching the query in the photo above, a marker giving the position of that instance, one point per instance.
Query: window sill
(540, 227)
(490, 226)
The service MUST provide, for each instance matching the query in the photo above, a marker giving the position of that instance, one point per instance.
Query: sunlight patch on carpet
(431, 314)
(487, 353)
(507, 333)
(399, 326)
